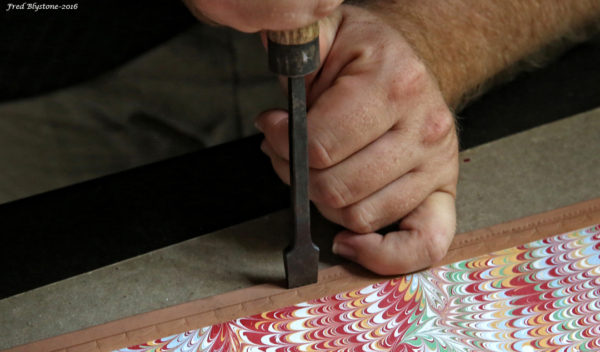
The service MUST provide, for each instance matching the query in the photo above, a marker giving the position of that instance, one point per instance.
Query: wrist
(465, 44)
(432, 46)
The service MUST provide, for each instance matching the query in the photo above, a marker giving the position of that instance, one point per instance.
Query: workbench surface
(533, 171)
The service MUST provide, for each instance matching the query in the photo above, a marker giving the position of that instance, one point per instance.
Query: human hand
(255, 15)
(382, 145)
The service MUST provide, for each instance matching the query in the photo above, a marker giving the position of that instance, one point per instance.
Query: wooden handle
(295, 36)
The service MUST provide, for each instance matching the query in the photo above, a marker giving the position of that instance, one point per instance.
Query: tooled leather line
(543, 221)
(329, 278)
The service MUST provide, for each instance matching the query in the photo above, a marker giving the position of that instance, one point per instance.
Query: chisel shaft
(299, 159)
(302, 257)
(295, 53)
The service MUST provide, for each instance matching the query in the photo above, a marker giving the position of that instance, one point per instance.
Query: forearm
(467, 42)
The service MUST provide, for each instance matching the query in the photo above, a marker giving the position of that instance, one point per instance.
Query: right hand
(382, 145)
(255, 15)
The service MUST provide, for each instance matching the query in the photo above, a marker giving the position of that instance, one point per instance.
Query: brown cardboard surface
(253, 300)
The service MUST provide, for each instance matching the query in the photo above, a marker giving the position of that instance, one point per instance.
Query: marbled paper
(542, 296)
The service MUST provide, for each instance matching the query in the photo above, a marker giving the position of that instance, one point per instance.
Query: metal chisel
(294, 54)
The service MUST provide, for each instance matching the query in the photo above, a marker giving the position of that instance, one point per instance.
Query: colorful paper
(542, 296)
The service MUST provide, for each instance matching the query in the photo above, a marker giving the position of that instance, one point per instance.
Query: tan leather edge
(253, 300)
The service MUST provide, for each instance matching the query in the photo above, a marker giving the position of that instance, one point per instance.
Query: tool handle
(295, 52)
(295, 36)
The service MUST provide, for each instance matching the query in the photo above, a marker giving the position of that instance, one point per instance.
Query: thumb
(423, 239)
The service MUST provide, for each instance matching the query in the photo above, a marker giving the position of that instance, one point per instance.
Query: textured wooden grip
(295, 36)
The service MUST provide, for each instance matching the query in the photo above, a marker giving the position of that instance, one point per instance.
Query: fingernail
(343, 250)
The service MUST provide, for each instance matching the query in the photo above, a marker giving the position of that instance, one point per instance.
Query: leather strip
(253, 300)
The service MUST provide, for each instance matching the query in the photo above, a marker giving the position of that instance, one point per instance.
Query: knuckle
(408, 83)
(388, 262)
(435, 246)
(358, 218)
(330, 190)
(439, 123)
(319, 156)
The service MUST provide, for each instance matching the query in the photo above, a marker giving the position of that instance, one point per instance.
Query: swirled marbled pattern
(543, 296)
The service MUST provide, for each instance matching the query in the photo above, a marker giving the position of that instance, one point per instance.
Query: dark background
(65, 232)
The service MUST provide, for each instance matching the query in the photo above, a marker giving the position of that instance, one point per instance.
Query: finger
(423, 239)
(274, 125)
(328, 29)
(347, 110)
(385, 206)
(255, 15)
(365, 172)
(342, 121)
(360, 176)
(281, 166)
(351, 114)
